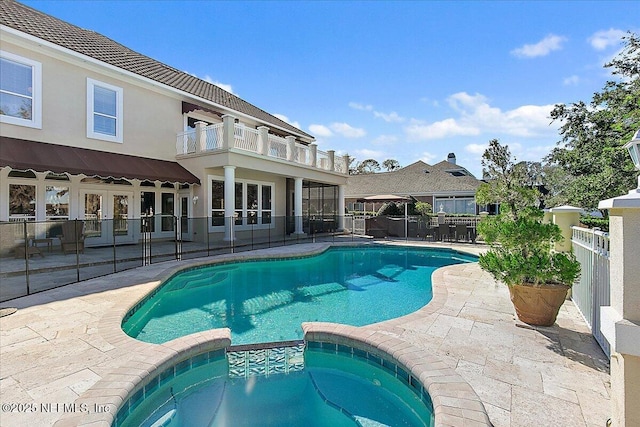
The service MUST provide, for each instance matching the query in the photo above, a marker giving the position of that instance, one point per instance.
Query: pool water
(332, 389)
(267, 301)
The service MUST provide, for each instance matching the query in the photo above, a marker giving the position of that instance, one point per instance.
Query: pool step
(265, 359)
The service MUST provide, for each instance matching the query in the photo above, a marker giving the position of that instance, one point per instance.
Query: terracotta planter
(538, 306)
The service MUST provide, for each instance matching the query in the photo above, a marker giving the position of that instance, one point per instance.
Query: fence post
(26, 254)
(565, 217)
(620, 322)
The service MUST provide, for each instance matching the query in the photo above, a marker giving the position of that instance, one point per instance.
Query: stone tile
(530, 408)
(499, 417)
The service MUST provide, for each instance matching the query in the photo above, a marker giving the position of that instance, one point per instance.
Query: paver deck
(60, 343)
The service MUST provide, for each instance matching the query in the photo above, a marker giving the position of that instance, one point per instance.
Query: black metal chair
(444, 232)
(462, 233)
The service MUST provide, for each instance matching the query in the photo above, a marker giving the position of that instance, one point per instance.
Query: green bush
(521, 250)
(593, 222)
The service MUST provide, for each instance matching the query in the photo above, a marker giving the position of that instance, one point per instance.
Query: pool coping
(455, 402)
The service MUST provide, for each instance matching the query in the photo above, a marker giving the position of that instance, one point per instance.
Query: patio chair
(72, 236)
(443, 232)
(462, 232)
(429, 232)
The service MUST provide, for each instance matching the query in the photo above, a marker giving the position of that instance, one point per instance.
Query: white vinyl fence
(355, 224)
(591, 248)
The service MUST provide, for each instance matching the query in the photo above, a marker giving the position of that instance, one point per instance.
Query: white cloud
(321, 131)
(286, 119)
(357, 106)
(438, 130)
(392, 117)
(347, 130)
(603, 39)
(428, 158)
(385, 140)
(571, 80)
(542, 48)
(476, 116)
(224, 86)
(365, 153)
(476, 148)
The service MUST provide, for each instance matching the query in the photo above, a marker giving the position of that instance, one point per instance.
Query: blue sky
(402, 80)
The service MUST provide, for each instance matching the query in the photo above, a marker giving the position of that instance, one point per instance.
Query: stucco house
(93, 130)
(446, 185)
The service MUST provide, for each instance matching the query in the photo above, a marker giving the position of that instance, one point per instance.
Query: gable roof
(46, 27)
(418, 178)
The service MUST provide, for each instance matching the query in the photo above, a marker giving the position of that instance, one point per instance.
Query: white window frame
(36, 93)
(243, 209)
(91, 84)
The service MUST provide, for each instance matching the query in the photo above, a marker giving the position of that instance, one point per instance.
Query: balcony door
(107, 215)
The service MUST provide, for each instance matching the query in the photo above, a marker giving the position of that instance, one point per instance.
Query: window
(147, 205)
(22, 202)
(56, 202)
(266, 204)
(20, 91)
(104, 111)
(217, 203)
(455, 205)
(167, 211)
(253, 205)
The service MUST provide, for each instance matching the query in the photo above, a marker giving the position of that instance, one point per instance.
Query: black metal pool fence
(42, 255)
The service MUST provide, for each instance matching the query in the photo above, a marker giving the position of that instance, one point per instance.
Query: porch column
(332, 160)
(41, 211)
(346, 164)
(313, 155)
(76, 206)
(263, 140)
(201, 137)
(297, 211)
(228, 131)
(341, 209)
(291, 148)
(229, 202)
(4, 195)
(620, 322)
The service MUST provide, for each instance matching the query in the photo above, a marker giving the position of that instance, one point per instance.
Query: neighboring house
(93, 130)
(446, 186)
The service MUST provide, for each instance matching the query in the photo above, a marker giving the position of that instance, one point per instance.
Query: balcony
(229, 135)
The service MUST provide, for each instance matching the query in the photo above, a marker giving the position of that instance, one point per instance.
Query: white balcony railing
(214, 137)
(245, 138)
(277, 147)
(205, 139)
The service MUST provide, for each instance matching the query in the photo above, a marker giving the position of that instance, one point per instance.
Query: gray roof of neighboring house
(418, 178)
(25, 19)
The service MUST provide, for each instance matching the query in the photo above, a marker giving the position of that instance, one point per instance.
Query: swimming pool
(322, 385)
(267, 300)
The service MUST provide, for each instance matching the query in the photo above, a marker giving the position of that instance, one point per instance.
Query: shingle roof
(46, 27)
(418, 178)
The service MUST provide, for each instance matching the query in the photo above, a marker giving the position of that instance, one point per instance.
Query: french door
(107, 215)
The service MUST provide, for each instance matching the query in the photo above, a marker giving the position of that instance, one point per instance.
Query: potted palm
(521, 245)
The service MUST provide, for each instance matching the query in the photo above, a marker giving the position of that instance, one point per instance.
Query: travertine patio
(61, 342)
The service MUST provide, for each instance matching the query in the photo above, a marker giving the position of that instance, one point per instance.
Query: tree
(423, 208)
(509, 183)
(590, 153)
(368, 166)
(391, 165)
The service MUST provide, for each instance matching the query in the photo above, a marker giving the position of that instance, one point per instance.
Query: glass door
(107, 217)
(93, 215)
(122, 216)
